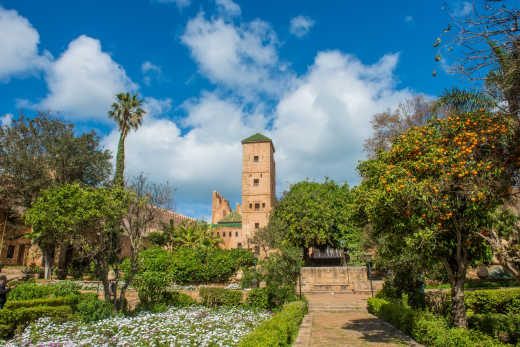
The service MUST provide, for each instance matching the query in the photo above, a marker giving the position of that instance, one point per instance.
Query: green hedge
(211, 296)
(195, 265)
(259, 298)
(478, 301)
(30, 290)
(281, 330)
(504, 327)
(70, 300)
(427, 328)
(16, 320)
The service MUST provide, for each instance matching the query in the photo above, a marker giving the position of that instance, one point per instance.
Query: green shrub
(427, 328)
(151, 286)
(504, 327)
(220, 297)
(248, 275)
(70, 300)
(242, 257)
(280, 330)
(178, 299)
(65, 288)
(91, 309)
(28, 291)
(259, 298)
(16, 320)
(477, 301)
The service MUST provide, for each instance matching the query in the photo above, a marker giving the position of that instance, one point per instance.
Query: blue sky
(309, 74)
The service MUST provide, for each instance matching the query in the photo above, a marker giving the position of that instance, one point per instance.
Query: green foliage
(318, 214)
(504, 327)
(31, 290)
(212, 296)
(151, 286)
(280, 271)
(259, 298)
(16, 320)
(167, 299)
(427, 328)
(248, 276)
(70, 300)
(91, 309)
(477, 301)
(128, 115)
(38, 153)
(281, 330)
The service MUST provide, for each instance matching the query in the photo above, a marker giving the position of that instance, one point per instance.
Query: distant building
(237, 228)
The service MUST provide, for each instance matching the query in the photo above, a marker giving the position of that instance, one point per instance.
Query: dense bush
(170, 298)
(90, 309)
(16, 320)
(504, 327)
(211, 296)
(281, 330)
(477, 301)
(70, 300)
(30, 290)
(195, 265)
(258, 297)
(151, 286)
(427, 328)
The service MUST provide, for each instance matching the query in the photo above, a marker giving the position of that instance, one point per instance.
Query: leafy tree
(38, 153)
(317, 215)
(435, 191)
(88, 217)
(187, 234)
(128, 114)
(143, 210)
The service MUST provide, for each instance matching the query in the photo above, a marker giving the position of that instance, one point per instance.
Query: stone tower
(258, 184)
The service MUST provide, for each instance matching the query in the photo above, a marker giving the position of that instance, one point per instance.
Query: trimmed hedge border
(477, 301)
(70, 300)
(212, 297)
(427, 328)
(15, 320)
(281, 330)
(505, 327)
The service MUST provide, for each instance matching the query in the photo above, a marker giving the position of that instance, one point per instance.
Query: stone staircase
(336, 303)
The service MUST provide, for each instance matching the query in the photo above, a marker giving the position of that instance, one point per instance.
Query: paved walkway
(342, 320)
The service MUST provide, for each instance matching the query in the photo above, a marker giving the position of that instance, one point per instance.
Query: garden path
(342, 320)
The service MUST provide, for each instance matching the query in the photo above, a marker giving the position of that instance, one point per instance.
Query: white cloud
(243, 57)
(228, 7)
(83, 81)
(180, 3)
(462, 9)
(156, 107)
(6, 120)
(408, 19)
(318, 129)
(19, 46)
(301, 25)
(150, 70)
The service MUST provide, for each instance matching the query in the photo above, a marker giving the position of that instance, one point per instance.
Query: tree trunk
(457, 298)
(120, 162)
(48, 259)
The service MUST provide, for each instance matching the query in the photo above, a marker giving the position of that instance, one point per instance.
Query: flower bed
(191, 326)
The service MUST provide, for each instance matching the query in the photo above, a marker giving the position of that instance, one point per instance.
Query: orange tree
(434, 192)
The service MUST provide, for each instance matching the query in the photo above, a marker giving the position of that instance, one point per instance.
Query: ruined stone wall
(219, 207)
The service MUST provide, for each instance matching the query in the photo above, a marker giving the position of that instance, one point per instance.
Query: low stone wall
(350, 279)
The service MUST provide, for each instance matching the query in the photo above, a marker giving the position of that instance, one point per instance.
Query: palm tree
(128, 114)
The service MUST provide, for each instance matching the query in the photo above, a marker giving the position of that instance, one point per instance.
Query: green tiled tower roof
(233, 217)
(257, 138)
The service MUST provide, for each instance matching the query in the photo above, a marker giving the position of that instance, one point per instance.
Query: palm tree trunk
(120, 162)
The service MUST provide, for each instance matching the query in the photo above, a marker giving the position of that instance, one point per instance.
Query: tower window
(256, 182)
(257, 206)
(257, 225)
(236, 233)
(223, 234)
(230, 234)
(263, 204)
(250, 205)
(255, 159)
(218, 234)
(239, 245)
(10, 252)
